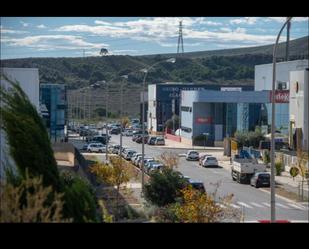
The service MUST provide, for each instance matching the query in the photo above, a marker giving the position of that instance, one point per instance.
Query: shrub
(266, 157)
(279, 168)
(30, 201)
(164, 187)
(80, 201)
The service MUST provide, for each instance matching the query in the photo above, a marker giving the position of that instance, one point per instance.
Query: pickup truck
(243, 169)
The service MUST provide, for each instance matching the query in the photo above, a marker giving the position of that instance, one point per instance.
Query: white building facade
(298, 117)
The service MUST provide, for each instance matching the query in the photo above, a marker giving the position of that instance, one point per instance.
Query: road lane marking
(244, 204)
(296, 206)
(256, 204)
(283, 206)
(266, 204)
(234, 205)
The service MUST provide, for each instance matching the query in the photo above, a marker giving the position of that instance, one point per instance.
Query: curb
(190, 148)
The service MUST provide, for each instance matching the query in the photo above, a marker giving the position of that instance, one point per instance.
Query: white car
(96, 147)
(192, 155)
(210, 161)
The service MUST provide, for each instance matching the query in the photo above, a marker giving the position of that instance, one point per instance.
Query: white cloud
(11, 31)
(24, 24)
(41, 26)
(225, 29)
(244, 20)
(49, 42)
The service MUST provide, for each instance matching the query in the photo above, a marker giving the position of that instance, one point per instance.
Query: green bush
(79, 200)
(164, 187)
(279, 168)
(266, 157)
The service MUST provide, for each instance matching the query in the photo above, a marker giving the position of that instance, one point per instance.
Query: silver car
(96, 147)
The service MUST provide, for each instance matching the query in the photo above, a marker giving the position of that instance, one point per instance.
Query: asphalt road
(254, 203)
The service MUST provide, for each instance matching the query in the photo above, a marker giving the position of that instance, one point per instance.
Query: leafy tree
(27, 136)
(115, 174)
(164, 187)
(169, 159)
(79, 200)
(198, 207)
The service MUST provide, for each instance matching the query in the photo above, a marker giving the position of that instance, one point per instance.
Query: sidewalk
(170, 144)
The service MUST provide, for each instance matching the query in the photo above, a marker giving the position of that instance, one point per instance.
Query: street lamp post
(206, 136)
(272, 152)
(146, 70)
(121, 111)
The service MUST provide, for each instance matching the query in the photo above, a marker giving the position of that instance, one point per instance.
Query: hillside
(228, 66)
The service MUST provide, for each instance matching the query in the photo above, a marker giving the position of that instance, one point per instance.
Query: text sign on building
(229, 89)
(206, 120)
(281, 96)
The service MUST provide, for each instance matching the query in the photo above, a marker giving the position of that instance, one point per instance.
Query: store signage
(281, 96)
(206, 120)
(236, 89)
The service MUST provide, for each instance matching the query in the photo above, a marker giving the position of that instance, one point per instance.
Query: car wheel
(256, 185)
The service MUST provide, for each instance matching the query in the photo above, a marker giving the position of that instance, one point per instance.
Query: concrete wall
(64, 154)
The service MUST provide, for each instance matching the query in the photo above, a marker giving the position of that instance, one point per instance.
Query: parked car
(134, 158)
(160, 141)
(199, 185)
(115, 131)
(115, 149)
(145, 160)
(260, 179)
(96, 147)
(202, 157)
(85, 146)
(139, 139)
(153, 165)
(192, 155)
(128, 154)
(210, 161)
(151, 140)
(136, 161)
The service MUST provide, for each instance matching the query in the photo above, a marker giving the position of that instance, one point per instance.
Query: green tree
(164, 187)
(79, 200)
(28, 140)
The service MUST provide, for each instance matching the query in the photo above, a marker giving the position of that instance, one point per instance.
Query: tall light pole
(272, 152)
(146, 70)
(121, 111)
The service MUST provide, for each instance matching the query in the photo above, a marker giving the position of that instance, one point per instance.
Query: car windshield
(264, 176)
(193, 153)
(211, 158)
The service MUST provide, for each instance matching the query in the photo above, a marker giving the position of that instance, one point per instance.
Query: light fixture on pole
(146, 70)
(272, 152)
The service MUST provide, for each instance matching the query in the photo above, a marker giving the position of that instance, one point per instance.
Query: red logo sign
(281, 96)
(207, 120)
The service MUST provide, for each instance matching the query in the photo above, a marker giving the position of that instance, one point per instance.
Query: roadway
(254, 203)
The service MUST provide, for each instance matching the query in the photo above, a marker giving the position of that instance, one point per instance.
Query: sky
(23, 37)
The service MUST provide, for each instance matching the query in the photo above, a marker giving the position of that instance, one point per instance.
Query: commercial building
(298, 109)
(263, 81)
(164, 100)
(28, 79)
(219, 114)
(54, 97)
